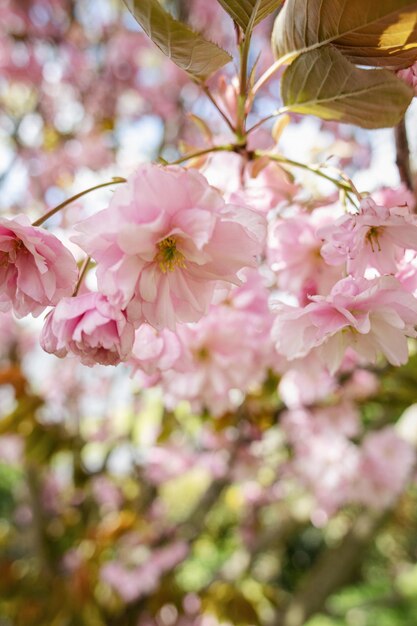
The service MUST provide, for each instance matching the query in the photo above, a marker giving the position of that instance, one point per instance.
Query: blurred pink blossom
(134, 583)
(385, 464)
(294, 253)
(154, 352)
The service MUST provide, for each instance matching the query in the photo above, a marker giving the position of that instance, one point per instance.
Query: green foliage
(324, 83)
(382, 33)
(9, 479)
(245, 12)
(368, 604)
(189, 50)
(387, 593)
(324, 39)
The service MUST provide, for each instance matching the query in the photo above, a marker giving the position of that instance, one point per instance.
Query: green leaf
(189, 50)
(369, 32)
(324, 83)
(241, 11)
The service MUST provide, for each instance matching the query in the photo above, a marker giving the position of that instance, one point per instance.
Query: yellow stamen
(168, 257)
(202, 354)
(372, 236)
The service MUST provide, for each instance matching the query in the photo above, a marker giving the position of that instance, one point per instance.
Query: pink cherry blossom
(342, 419)
(294, 253)
(89, 327)
(166, 241)
(385, 464)
(218, 360)
(374, 238)
(154, 352)
(360, 385)
(166, 463)
(259, 188)
(36, 270)
(137, 582)
(326, 464)
(106, 493)
(394, 197)
(12, 449)
(407, 271)
(369, 316)
(305, 381)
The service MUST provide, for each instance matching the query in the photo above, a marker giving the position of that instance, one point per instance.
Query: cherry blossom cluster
(185, 274)
(165, 249)
(357, 299)
(373, 473)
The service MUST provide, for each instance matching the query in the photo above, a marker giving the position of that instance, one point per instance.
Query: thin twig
(273, 115)
(314, 169)
(115, 181)
(198, 153)
(83, 272)
(212, 99)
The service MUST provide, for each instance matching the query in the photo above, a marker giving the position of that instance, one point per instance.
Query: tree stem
(212, 99)
(342, 184)
(198, 153)
(403, 155)
(83, 272)
(335, 568)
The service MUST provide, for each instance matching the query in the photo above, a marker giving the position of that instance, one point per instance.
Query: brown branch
(403, 155)
(334, 568)
(39, 521)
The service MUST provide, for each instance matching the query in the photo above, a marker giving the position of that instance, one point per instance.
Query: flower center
(202, 354)
(168, 257)
(372, 237)
(9, 258)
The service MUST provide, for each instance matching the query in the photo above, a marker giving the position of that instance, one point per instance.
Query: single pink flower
(89, 327)
(374, 238)
(36, 270)
(166, 241)
(369, 316)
